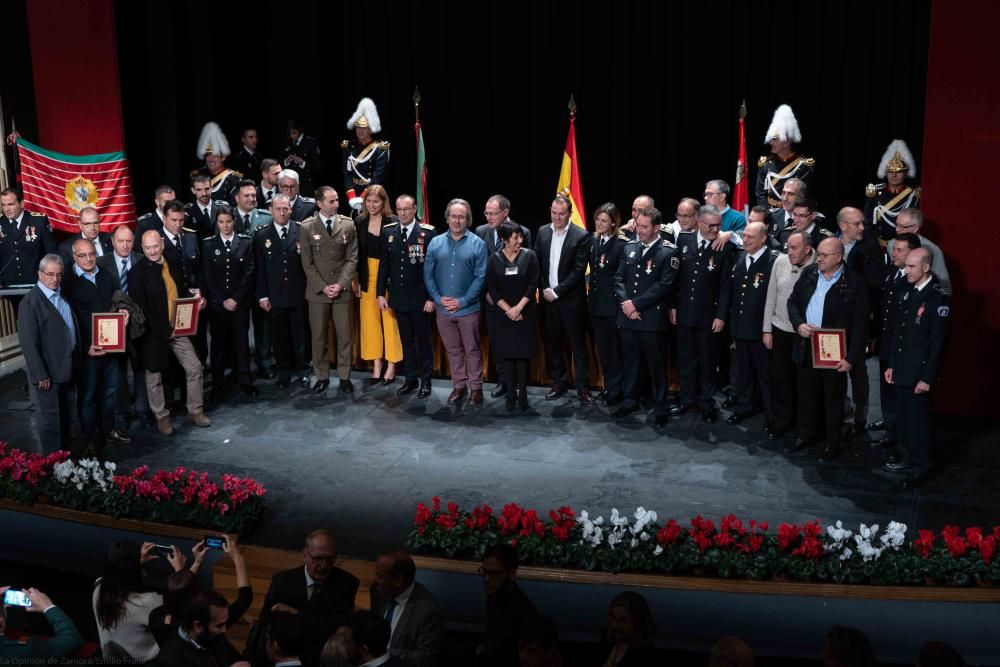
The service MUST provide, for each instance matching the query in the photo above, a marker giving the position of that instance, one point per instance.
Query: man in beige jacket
(330, 261)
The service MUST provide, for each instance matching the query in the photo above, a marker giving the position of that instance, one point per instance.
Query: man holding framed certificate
(828, 309)
(157, 285)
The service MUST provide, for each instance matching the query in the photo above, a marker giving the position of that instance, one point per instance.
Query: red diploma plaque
(108, 331)
(829, 347)
(186, 316)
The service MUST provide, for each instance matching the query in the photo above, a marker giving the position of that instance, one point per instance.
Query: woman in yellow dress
(379, 332)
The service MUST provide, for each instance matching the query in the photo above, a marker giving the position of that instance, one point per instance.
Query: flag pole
(423, 208)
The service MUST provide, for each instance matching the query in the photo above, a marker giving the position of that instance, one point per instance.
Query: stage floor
(359, 465)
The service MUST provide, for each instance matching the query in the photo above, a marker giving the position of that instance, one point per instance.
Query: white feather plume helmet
(897, 147)
(365, 114)
(783, 126)
(212, 141)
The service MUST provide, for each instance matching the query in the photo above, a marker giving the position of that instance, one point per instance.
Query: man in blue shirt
(829, 296)
(454, 272)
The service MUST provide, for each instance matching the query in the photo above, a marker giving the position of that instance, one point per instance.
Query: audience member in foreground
(537, 643)
(65, 640)
(939, 654)
(507, 608)
(628, 639)
(200, 639)
(363, 641)
(847, 647)
(731, 652)
(415, 618)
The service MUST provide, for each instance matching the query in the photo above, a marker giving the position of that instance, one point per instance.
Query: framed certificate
(829, 347)
(108, 331)
(186, 316)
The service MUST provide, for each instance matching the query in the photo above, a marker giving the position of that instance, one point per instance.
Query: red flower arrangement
(177, 496)
(733, 549)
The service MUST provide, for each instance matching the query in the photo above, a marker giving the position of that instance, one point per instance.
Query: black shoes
(321, 386)
(346, 386)
(876, 426)
(407, 388)
(425, 390)
(305, 381)
(678, 409)
(737, 417)
(118, 435)
(585, 397)
(387, 381)
(499, 391)
(556, 392)
(608, 401)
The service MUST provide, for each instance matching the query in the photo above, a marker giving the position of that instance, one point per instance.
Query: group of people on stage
(722, 299)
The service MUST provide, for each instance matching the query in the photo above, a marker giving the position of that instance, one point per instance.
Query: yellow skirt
(379, 331)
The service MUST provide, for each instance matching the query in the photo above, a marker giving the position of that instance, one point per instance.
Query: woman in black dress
(512, 280)
(602, 304)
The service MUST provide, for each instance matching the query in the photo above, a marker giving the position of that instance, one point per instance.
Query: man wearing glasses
(910, 221)
(320, 593)
(90, 229)
(496, 212)
(49, 339)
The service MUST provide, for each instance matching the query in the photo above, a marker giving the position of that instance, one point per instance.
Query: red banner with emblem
(741, 193)
(60, 186)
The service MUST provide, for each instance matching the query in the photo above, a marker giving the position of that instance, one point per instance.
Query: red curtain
(961, 149)
(74, 56)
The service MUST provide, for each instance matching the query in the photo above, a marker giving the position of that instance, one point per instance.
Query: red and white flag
(741, 192)
(60, 186)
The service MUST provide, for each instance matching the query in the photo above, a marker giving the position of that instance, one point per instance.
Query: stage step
(262, 564)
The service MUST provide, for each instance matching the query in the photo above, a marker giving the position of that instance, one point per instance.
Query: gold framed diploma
(107, 331)
(186, 316)
(829, 347)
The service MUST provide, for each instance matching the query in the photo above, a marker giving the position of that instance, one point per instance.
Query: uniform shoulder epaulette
(384, 145)
(242, 236)
(824, 232)
(37, 215)
(220, 202)
(762, 160)
(344, 218)
(188, 229)
(235, 173)
(260, 229)
(668, 244)
(390, 224)
(916, 191)
(664, 227)
(345, 143)
(941, 288)
(808, 161)
(141, 217)
(187, 206)
(776, 253)
(686, 231)
(424, 225)
(308, 200)
(297, 222)
(209, 238)
(312, 217)
(871, 190)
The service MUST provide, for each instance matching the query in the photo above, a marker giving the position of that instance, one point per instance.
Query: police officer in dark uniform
(602, 304)
(886, 199)
(228, 280)
(920, 325)
(281, 288)
(743, 307)
(645, 277)
(831, 296)
(400, 286)
(783, 162)
(365, 160)
(301, 155)
(698, 312)
(24, 239)
(246, 159)
(202, 211)
(892, 289)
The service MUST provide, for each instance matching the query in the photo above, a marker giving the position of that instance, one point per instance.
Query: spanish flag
(570, 185)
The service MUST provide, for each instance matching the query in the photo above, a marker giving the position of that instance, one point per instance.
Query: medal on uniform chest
(298, 247)
(920, 313)
(711, 263)
(906, 296)
(649, 266)
(267, 243)
(30, 234)
(391, 237)
(685, 250)
(218, 252)
(756, 279)
(315, 237)
(601, 262)
(631, 254)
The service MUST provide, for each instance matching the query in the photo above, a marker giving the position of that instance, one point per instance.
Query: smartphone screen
(214, 541)
(16, 598)
(162, 550)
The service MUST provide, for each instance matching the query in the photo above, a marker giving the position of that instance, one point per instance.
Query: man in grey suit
(417, 624)
(119, 262)
(49, 338)
(497, 212)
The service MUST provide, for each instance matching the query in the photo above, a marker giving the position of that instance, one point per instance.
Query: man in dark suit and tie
(281, 288)
(203, 209)
(154, 219)
(302, 207)
(562, 250)
(742, 305)
(182, 249)
(246, 159)
(827, 295)
(414, 615)
(50, 340)
(321, 594)
(120, 262)
(270, 170)
(90, 229)
(646, 273)
(24, 239)
(497, 212)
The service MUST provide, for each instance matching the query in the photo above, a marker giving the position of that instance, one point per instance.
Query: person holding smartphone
(66, 638)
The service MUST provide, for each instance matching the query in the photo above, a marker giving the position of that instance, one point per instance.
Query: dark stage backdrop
(658, 86)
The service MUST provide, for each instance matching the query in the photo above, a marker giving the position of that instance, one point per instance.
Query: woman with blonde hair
(379, 332)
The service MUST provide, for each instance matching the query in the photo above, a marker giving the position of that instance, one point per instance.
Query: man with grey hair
(49, 339)
(90, 229)
(497, 211)
(910, 221)
(302, 207)
(454, 274)
(717, 194)
(781, 218)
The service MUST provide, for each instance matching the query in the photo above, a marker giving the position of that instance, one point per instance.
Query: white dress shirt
(555, 252)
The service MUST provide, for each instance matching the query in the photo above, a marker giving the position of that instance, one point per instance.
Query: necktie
(313, 587)
(499, 243)
(749, 261)
(66, 315)
(284, 233)
(603, 241)
(124, 275)
(246, 222)
(177, 244)
(229, 246)
(703, 244)
(390, 608)
(206, 213)
(329, 228)
(268, 195)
